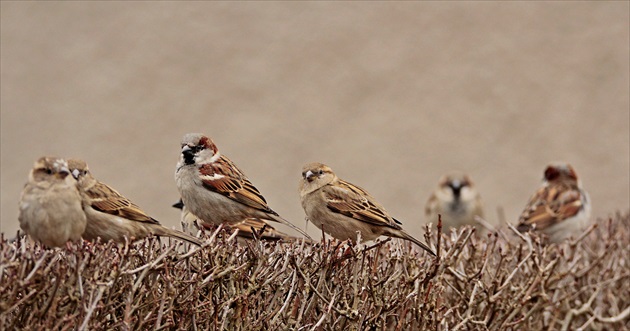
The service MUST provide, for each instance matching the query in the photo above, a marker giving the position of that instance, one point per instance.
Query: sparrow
(50, 206)
(456, 199)
(248, 228)
(560, 208)
(111, 216)
(342, 209)
(214, 189)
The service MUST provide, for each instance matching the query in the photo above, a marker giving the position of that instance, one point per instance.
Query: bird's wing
(225, 178)
(550, 205)
(107, 200)
(352, 201)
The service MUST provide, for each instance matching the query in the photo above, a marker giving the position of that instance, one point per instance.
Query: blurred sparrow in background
(560, 208)
(248, 228)
(456, 199)
(50, 206)
(214, 189)
(342, 209)
(111, 216)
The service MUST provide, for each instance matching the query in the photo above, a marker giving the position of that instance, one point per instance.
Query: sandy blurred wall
(390, 95)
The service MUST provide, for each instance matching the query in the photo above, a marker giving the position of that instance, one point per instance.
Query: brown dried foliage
(500, 282)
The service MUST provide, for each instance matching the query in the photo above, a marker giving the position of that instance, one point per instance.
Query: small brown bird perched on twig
(50, 206)
(456, 199)
(111, 216)
(560, 208)
(342, 209)
(215, 190)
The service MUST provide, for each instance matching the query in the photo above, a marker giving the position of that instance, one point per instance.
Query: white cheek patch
(445, 194)
(467, 193)
(215, 157)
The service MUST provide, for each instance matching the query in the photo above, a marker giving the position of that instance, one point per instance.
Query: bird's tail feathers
(279, 219)
(163, 231)
(404, 235)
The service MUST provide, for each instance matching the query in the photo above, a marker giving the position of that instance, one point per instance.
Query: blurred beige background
(390, 95)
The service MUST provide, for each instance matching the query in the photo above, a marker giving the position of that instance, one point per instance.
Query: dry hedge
(498, 282)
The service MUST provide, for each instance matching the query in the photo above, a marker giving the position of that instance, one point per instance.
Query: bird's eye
(320, 172)
(49, 171)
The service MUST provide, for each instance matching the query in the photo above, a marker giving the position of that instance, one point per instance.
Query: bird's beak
(308, 176)
(75, 173)
(187, 153)
(456, 186)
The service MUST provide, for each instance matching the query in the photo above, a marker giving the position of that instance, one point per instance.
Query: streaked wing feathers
(225, 178)
(354, 202)
(107, 200)
(550, 205)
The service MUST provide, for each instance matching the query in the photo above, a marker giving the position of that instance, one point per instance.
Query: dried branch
(493, 282)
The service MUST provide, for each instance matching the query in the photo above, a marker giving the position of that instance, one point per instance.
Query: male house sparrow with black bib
(215, 190)
(455, 198)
